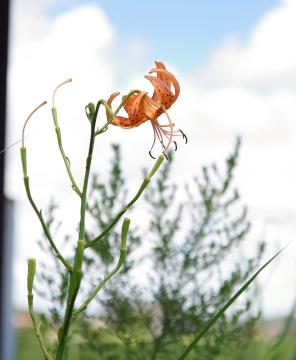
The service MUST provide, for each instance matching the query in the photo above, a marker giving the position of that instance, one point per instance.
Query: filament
(160, 132)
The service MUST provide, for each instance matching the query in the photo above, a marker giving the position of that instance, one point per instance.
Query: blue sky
(185, 32)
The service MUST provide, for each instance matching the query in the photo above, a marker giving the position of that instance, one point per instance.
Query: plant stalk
(30, 280)
(76, 275)
(62, 151)
(38, 212)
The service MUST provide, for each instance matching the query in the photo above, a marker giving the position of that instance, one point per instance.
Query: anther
(184, 136)
(152, 155)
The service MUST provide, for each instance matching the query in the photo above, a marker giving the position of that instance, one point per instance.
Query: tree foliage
(180, 267)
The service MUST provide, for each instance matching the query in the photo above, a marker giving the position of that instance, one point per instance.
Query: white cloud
(266, 62)
(249, 88)
(45, 52)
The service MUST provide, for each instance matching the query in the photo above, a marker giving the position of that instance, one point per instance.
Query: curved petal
(134, 108)
(162, 92)
(151, 107)
(168, 77)
(109, 102)
(160, 65)
(112, 97)
(124, 122)
(129, 102)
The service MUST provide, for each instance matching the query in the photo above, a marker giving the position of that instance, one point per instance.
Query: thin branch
(129, 205)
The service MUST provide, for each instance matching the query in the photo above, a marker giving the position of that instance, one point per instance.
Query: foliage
(259, 349)
(190, 253)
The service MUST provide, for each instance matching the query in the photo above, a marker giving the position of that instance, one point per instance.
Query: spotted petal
(162, 91)
(109, 102)
(160, 65)
(134, 108)
(152, 108)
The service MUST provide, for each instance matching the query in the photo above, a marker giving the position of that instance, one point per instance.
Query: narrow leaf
(212, 321)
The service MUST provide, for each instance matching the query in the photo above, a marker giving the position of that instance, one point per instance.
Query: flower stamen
(184, 136)
(151, 155)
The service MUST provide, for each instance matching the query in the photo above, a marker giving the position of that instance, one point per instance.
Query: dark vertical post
(4, 17)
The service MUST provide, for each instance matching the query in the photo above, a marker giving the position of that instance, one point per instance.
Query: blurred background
(236, 64)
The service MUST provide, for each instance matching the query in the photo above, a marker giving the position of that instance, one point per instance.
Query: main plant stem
(76, 274)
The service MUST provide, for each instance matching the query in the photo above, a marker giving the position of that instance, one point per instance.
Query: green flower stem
(38, 212)
(111, 113)
(30, 280)
(212, 321)
(129, 205)
(124, 232)
(65, 158)
(76, 275)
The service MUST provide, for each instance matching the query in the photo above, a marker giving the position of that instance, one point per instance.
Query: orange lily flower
(140, 107)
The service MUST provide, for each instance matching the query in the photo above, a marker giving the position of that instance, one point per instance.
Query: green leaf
(220, 313)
